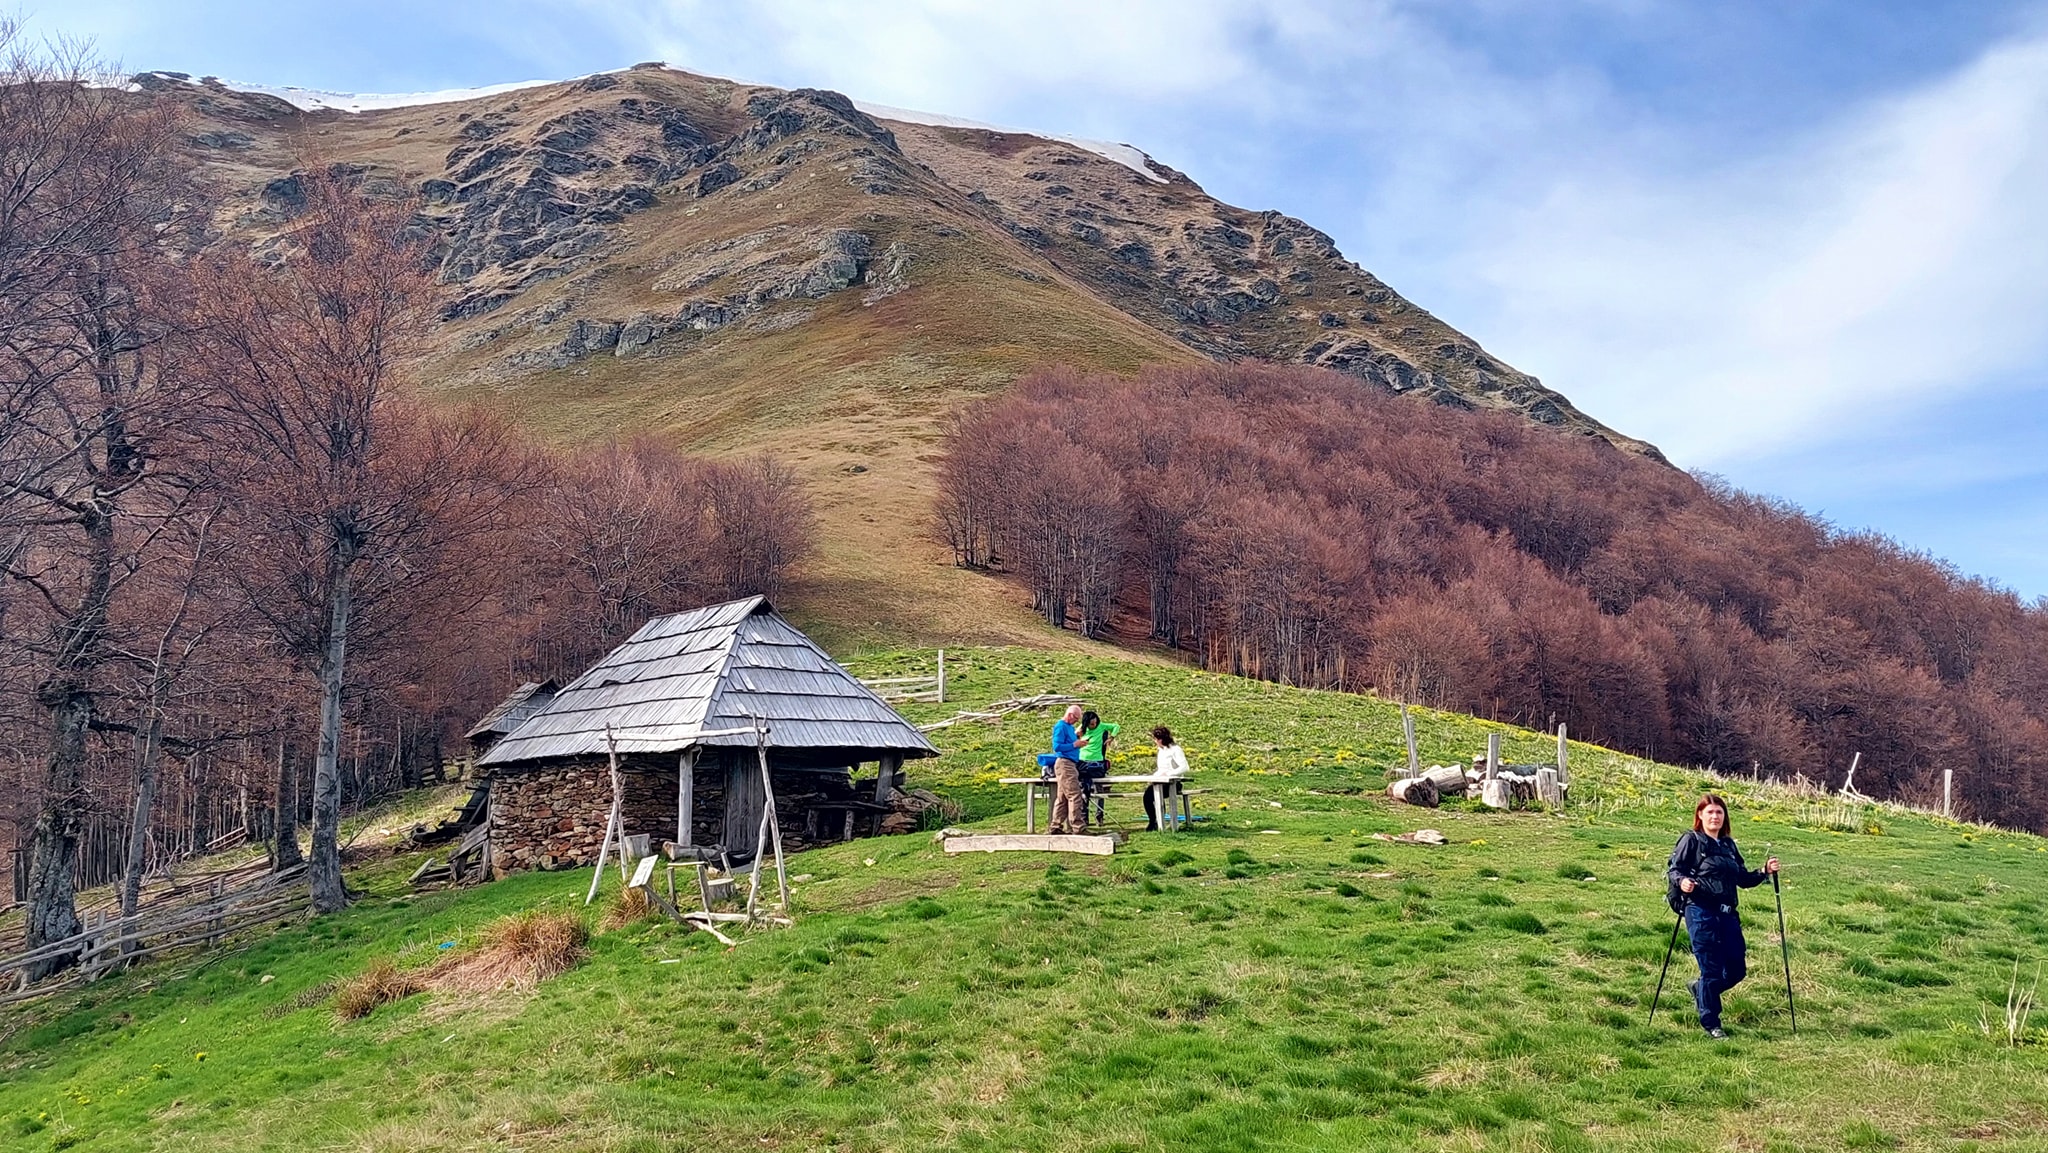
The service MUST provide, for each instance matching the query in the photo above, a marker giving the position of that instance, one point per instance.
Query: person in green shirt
(1096, 737)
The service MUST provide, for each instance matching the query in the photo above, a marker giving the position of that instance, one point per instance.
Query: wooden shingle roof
(693, 673)
(523, 702)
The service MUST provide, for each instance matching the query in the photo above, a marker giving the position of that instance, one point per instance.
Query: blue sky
(1801, 244)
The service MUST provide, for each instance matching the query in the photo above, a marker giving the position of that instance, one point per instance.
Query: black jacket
(1715, 866)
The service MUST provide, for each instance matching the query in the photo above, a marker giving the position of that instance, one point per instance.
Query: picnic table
(1169, 797)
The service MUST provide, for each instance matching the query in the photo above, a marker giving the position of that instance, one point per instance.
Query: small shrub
(1238, 857)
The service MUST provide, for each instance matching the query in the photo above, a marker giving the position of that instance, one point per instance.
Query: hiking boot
(1718, 1034)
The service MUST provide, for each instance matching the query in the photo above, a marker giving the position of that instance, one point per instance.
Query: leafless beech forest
(1288, 524)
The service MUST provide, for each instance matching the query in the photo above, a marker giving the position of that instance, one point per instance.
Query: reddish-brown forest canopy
(1291, 525)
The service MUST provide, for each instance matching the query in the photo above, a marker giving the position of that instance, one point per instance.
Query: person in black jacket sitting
(1707, 869)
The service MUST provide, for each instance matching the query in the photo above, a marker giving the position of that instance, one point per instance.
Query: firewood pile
(1513, 786)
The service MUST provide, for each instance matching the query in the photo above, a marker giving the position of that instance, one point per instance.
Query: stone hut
(684, 701)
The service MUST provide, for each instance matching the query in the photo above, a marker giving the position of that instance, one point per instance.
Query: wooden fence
(928, 688)
(188, 913)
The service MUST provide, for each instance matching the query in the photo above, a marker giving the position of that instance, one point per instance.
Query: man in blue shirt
(1069, 802)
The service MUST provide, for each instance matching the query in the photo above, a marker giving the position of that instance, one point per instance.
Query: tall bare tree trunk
(286, 833)
(52, 902)
(323, 871)
(146, 763)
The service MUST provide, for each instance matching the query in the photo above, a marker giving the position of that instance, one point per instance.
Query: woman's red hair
(1710, 799)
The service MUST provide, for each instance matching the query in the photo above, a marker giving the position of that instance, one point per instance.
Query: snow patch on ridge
(1124, 154)
(315, 100)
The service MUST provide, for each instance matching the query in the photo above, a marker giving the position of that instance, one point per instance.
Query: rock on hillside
(639, 214)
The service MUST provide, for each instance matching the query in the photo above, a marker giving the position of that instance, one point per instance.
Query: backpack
(1674, 896)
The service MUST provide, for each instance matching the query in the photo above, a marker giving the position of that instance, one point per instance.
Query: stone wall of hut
(554, 817)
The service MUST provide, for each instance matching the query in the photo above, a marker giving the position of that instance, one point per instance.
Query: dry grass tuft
(628, 906)
(381, 984)
(517, 952)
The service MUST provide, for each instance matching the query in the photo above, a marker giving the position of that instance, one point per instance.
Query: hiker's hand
(1771, 866)
(1685, 884)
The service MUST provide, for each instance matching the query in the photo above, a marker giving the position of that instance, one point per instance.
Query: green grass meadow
(1274, 979)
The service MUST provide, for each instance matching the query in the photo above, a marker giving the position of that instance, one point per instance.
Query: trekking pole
(1784, 947)
(1668, 950)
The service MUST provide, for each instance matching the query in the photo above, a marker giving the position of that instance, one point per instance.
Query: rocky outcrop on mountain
(637, 214)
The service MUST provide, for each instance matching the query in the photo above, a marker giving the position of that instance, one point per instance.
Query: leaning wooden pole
(611, 824)
(1408, 732)
(774, 821)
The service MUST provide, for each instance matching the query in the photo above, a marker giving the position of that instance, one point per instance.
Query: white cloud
(1902, 253)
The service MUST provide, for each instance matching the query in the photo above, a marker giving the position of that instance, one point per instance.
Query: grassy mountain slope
(738, 268)
(1275, 979)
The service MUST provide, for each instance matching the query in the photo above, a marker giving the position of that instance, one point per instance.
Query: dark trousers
(1723, 956)
(1092, 773)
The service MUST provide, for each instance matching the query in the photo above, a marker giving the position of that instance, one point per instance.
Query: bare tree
(309, 355)
(90, 211)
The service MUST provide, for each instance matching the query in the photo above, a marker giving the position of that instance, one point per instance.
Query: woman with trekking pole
(1705, 871)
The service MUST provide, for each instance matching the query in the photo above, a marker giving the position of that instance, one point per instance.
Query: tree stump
(1496, 794)
(1548, 790)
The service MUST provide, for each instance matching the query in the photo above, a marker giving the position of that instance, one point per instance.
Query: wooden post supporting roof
(686, 792)
(885, 777)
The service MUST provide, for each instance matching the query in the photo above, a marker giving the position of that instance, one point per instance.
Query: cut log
(1548, 790)
(1495, 794)
(1449, 781)
(1414, 791)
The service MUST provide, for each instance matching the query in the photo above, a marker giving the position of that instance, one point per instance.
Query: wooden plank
(643, 873)
(1040, 843)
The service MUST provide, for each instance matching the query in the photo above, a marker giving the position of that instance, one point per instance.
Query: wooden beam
(1042, 843)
